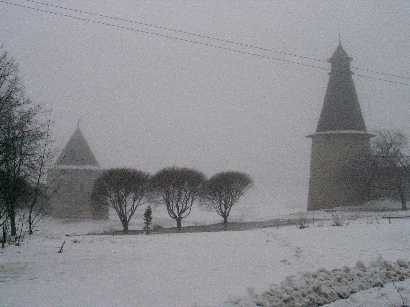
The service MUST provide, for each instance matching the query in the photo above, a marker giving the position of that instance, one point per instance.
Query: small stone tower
(339, 143)
(71, 180)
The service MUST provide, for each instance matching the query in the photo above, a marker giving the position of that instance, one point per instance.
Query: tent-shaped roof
(341, 109)
(77, 152)
(339, 53)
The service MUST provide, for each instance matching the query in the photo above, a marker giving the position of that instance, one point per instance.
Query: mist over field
(149, 102)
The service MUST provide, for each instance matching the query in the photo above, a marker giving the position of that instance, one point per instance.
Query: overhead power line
(206, 36)
(368, 70)
(380, 79)
(179, 31)
(177, 38)
(171, 37)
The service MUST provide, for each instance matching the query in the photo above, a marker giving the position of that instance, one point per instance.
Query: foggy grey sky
(150, 102)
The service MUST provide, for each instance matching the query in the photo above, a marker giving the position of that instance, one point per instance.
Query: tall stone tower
(339, 143)
(71, 180)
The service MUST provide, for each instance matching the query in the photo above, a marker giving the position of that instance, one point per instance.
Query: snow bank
(392, 294)
(323, 286)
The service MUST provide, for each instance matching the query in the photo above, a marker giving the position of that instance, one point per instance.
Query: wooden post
(61, 248)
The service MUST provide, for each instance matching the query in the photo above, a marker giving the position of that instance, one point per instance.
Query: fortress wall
(333, 182)
(70, 193)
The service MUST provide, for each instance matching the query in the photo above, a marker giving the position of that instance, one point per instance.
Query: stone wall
(70, 193)
(332, 183)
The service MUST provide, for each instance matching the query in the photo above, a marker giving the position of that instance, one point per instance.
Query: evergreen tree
(147, 220)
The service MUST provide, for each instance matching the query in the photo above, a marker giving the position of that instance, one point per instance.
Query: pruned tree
(21, 134)
(177, 188)
(122, 189)
(223, 191)
(391, 165)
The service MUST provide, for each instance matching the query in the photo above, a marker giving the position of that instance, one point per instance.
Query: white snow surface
(392, 295)
(184, 270)
(327, 286)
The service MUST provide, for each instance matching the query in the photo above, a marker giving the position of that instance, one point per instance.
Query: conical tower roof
(77, 152)
(339, 53)
(341, 110)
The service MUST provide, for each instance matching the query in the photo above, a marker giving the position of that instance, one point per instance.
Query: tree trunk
(179, 223)
(402, 192)
(125, 227)
(30, 223)
(225, 217)
(30, 214)
(30, 227)
(403, 199)
(3, 242)
(12, 217)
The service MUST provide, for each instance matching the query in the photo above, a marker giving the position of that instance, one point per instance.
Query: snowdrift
(323, 286)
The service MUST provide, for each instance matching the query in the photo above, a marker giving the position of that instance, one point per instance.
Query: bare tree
(390, 163)
(177, 188)
(122, 189)
(10, 94)
(21, 134)
(44, 156)
(223, 190)
(15, 193)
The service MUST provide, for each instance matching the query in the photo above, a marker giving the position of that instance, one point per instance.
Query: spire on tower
(340, 56)
(340, 142)
(341, 109)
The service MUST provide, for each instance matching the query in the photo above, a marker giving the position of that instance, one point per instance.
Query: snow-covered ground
(326, 286)
(199, 269)
(391, 295)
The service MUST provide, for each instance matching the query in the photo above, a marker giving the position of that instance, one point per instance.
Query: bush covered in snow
(324, 286)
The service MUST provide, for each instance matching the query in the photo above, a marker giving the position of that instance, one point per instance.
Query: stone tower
(71, 180)
(339, 143)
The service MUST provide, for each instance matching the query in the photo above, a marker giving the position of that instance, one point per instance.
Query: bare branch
(178, 189)
(223, 191)
(122, 189)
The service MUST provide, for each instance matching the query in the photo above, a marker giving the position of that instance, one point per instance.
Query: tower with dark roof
(71, 180)
(340, 142)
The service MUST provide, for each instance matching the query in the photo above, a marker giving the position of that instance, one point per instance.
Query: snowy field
(199, 269)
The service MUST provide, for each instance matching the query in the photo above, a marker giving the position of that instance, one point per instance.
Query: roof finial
(340, 39)
(78, 123)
